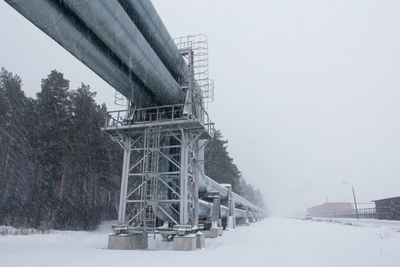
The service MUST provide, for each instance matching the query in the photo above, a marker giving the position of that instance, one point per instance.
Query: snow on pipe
(65, 29)
(146, 18)
(109, 21)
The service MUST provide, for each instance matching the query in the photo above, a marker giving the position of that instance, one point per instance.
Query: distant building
(331, 209)
(388, 208)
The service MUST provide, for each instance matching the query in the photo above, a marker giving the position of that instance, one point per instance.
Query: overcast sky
(306, 92)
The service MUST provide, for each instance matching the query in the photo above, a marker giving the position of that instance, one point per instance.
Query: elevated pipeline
(109, 21)
(147, 20)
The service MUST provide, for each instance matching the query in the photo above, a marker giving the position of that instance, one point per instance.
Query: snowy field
(272, 242)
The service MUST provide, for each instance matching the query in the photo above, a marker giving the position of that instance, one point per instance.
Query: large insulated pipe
(206, 184)
(109, 21)
(244, 202)
(206, 208)
(67, 30)
(146, 18)
(239, 213)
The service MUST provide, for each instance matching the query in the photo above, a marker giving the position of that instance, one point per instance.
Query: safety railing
(168, 113)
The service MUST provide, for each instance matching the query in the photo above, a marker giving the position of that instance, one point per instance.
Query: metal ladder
(150, 188)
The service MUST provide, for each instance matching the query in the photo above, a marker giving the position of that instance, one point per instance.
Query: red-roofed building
(331, 208)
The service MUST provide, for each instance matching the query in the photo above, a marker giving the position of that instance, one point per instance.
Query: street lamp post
(354, 197)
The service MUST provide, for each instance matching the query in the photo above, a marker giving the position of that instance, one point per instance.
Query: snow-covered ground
(395, 225)
(272, 242)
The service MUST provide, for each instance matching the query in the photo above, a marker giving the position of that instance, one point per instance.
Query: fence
(391, 212)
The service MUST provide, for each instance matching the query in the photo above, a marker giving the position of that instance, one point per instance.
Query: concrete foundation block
(200, 240)
(215, 232)
(165, 238)
(185, 243)
(128, 241)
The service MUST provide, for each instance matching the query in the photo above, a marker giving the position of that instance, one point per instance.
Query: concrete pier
(185, 243)
(128, 241)
(215, 232)
(200, 240)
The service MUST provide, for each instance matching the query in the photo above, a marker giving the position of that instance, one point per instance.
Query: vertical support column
(216, 210)
(230, 223)
(196, 181)
(233, 214)
(216, 229)
(247, 216)
(183, 212)
(126, 143)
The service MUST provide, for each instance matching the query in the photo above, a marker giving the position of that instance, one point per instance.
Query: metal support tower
(159, 185)
(160, 173)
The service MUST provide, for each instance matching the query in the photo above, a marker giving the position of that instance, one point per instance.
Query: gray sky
(307, 92)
